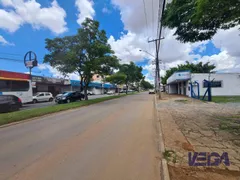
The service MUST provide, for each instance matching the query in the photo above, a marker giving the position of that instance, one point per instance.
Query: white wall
(96, 91)
(230, 83)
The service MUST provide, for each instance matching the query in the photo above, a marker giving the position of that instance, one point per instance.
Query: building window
(214, 84)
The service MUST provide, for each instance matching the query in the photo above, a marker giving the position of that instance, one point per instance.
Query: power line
(15, 60)
(10, 59)
(145, 13)
(153, 17)
(11, 54)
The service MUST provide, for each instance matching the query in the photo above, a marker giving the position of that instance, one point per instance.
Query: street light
(146, 52)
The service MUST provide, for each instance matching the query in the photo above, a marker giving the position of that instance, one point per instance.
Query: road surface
(46, 104)
(113, 140)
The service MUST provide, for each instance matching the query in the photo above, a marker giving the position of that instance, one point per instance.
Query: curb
(163, 164)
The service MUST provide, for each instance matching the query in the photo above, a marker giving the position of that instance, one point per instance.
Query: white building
(185, 83)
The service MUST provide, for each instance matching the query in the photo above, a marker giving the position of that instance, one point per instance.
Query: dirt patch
(190, 125)
(178, 173)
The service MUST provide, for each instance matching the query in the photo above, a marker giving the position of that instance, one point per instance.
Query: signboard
(179, 76)
(15, 75)
(34, 85)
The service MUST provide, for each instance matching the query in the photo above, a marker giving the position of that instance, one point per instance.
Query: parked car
(151, 91)
(9, 103)
(69, 97)
(42, 96)
(110, 92)
(59, 95)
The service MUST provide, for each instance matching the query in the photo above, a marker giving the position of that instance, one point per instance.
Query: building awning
(76, 83)
(179, 76)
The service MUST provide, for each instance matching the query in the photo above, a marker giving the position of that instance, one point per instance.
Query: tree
(85, 53)
(117, 78)
(194, 68)
(146, 85)
(133, 74)
(199, 20)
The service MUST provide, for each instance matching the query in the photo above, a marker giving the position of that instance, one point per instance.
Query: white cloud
(10, 21)
(5, 42)
(172, 52)
(56, 73)
(85, 8)
(106, 10)
(30, 12)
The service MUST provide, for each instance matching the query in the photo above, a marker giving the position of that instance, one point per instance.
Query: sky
(25, 24)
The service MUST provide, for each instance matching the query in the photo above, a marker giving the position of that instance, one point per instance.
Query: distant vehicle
(9, 103)
(130, 90)
(16, 84)
(123, 91)
(89, 93)
(69, 97)
(43, 96)
(110, 92)
(151, 91)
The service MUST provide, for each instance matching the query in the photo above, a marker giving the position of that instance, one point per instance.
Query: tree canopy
(85, 53)
(133, 73)
(146, 85)
(194, 68)
(199, 20)
(117, 78)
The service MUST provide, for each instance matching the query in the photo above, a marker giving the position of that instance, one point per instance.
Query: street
(114, 139)
(46, 104)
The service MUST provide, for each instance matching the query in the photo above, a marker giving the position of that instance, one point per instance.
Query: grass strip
(16, 116)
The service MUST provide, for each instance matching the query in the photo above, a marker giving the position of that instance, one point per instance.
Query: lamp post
(156, 73)
(146, 52)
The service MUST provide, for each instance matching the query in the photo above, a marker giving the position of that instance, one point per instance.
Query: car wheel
(34, 101)
(68, 101)
(51, 99)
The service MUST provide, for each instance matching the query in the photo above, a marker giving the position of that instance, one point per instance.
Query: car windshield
(37, 94)
(67, 94)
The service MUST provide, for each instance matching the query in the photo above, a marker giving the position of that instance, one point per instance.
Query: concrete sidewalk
(190, 125)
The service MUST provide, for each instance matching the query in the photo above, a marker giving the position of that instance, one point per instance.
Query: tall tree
(194, 68)
(117, 78)
(198, 20)
(86, 53)
(133, 74)
(146, 85)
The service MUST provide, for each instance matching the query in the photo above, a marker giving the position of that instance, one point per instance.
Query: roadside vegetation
(7, 118)
(225, 99)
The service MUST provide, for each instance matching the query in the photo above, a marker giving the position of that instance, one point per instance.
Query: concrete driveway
(113, 140)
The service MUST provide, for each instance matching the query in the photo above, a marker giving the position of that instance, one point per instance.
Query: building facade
(48, 84)
(187, 83)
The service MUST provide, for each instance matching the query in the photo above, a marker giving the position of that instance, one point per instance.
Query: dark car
(9, 103)
(69, 97)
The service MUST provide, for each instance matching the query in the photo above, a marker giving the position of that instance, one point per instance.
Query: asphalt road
(112, 140)
(46, 104)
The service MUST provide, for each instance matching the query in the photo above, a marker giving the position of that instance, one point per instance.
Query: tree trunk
(127, 89)
(85, 92)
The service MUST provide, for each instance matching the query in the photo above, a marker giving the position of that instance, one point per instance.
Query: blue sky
(25, 24)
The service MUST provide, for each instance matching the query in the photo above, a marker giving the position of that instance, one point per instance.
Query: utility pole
(157, 43)
(157, 73)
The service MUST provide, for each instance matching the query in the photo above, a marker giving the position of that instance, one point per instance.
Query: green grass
(7, 118)
(225, 99)
(230, 124)
(170, 155)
